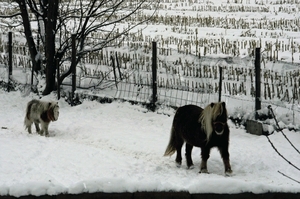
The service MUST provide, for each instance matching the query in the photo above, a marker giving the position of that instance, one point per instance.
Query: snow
(119, 147)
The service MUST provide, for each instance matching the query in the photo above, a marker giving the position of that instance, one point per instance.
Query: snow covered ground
(119, 147)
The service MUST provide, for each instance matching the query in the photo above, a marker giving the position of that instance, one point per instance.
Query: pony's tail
(171, 148)
(27, 115)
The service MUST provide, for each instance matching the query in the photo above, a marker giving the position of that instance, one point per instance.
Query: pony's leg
(28, 124)
(205, 151)
(29, 128)
(178, 152)
(225, 156)
(45, 128)
(37, 127)
(188, 155)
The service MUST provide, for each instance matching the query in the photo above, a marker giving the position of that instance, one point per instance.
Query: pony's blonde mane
(209, 114)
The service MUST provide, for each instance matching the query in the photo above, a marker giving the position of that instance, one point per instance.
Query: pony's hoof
(191, 167)
(228, 173)
(203, 171)
(178, 164)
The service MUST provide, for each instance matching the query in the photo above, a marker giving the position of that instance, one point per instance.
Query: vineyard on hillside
(194, 38)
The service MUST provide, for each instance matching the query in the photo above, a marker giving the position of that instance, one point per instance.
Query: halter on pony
(50, 112)
(219, 127)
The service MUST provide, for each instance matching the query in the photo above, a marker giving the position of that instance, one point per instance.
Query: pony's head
(53, 111)
(214, 119)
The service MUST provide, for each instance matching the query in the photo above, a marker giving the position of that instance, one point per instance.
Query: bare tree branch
(270, 108)
(55, 21)
(281, 154)
(10, 16)
(288, 177)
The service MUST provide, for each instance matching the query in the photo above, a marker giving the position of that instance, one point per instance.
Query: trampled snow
(119, 147)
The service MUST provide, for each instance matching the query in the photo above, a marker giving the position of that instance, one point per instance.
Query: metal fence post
(73, 65)
(114, 69)
(154, 75)
(10, 53)
(9, 60)
(220, 84)
(257, 82)
(58, 76)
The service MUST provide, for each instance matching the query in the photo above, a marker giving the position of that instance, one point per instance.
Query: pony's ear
(223, 104)
(212, 104)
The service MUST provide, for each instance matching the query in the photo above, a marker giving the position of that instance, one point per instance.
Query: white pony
(43, 112)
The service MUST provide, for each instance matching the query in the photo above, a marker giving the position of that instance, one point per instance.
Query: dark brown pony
(204, 128)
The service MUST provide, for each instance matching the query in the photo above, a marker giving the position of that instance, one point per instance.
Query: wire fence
(195, 81)
(182, 77)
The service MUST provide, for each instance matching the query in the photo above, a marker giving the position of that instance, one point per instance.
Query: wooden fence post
(154, 75)
(73, 65)
(257, 82)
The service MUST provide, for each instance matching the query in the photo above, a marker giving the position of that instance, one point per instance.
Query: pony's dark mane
(208, 115)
